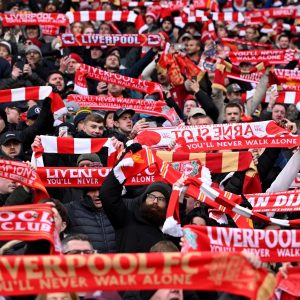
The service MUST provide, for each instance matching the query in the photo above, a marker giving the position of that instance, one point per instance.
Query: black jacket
(133, 233)
(87, 219)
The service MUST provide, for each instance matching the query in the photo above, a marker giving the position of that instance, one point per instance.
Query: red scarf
(223, 162)
(288, 287)
(118, 40)
(275, 202)
(68, 145)
(101, 15)
(86, 71)
(244, 42)
(20, 172)
(29, 223)
(219, 137)
(28, 19)
(269, 245)
(286, 97)
(131, 271)
(269, 56)
(94, 177)
(36, 93)
(155, 108)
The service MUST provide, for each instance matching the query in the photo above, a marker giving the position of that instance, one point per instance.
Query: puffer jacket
(87, 219)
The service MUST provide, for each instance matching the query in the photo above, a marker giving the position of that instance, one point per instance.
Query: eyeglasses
(159, 199)
(81, 252)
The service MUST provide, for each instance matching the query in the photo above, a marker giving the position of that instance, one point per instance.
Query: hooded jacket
(133, 232)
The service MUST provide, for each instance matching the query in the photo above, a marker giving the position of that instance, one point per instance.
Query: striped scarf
(68, 145)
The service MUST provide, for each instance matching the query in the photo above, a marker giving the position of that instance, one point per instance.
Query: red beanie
(76, 57)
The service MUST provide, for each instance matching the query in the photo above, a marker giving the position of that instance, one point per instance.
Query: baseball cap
(233, 88)
(9, 136)
(118, 113)
(33, 112)
(21, 105)
(196, 111)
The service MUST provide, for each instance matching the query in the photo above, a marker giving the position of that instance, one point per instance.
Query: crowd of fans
(104, 219)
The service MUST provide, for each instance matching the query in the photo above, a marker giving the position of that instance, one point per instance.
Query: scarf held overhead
(269, 245)
(275, 202)
(34, 19)
(68, 145)
(118, 40)
(155, 108)
(25, 275)
(29, 223)
(86, 71)
(219, 136)
(36, 93)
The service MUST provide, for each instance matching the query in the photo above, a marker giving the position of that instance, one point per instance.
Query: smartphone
(63, 131)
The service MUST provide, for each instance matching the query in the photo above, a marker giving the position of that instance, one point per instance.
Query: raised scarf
(101, 15)
(36, 93)
(264, 134)
(274, 56)
(269, 245)
(20, 172)
(69, 145)
(155, 108)
(287, 201)
(221, 162)
(117, 40)
(286, 97)
(86, 71)
(25, 275)
(28, 19)
(29, 223)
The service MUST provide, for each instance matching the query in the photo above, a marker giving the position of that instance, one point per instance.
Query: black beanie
(161, 187)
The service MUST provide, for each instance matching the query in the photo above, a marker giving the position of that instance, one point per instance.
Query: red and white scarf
(41, 18)
(68, 145)
(101, 15)
(119, 40)
(133, 164)
(155, 108)
(269, 245)
(283, 97)
(287, 201)
(268, 56)
(94, 177)
(86, 71)
(29, 223)
(219, 137)
(36, 93)
(20, 172)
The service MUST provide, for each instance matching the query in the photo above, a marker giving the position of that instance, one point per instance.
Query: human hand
(27, 70)
(36, 143)
(16, 72)
(63, 64)
(252, 259)
(102, 87)
(283, 269)
(138, 126)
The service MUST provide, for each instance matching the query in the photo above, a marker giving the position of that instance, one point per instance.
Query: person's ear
(63, 226)
(116, 124)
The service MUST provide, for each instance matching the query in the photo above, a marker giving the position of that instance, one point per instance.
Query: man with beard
(137, 221)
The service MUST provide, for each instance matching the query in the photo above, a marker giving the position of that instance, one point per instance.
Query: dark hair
(60, 208)
(74, 237)
(233, 104)
(54, 72)
(201, 212)
(283, 35)
(94, 118)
